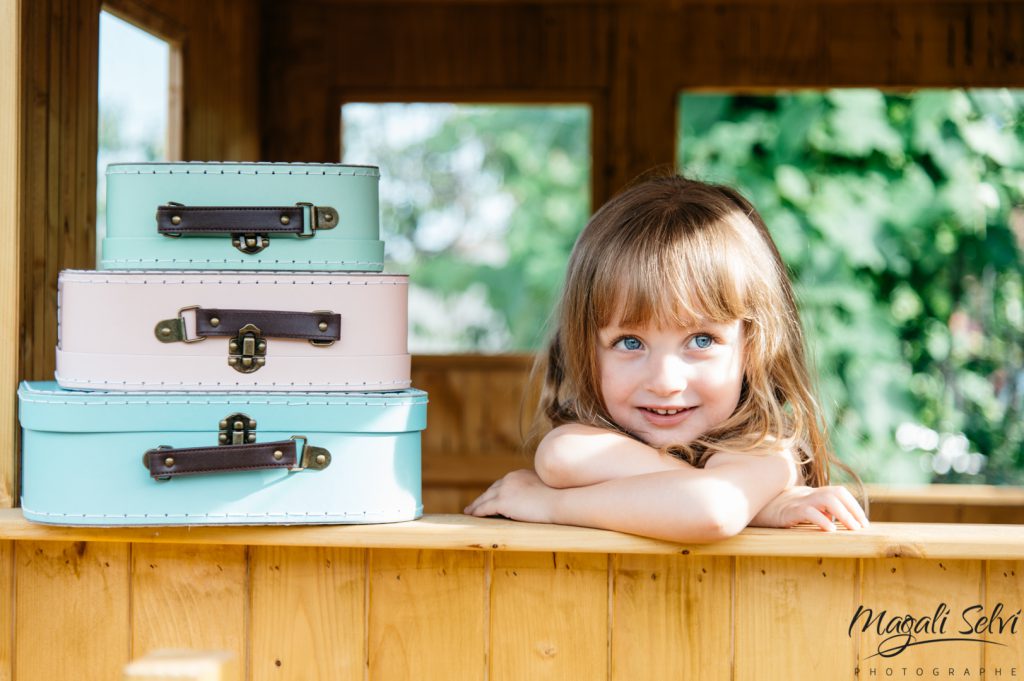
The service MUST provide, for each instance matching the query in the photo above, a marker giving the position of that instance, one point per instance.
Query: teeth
(668, 412)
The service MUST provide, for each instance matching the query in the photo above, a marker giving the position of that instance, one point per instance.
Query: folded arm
(684, 504)
(574, 455)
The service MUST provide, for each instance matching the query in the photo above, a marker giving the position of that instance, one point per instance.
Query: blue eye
(702, 341)
(631, 343)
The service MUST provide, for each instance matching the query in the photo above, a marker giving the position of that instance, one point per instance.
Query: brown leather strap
(166, 462)
(271, 323)
(175, 220)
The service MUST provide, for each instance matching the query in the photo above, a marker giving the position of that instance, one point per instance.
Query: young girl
(676, 382)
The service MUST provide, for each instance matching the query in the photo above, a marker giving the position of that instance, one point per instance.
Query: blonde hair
(665, 252)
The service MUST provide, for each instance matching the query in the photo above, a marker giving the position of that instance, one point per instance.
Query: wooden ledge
(968, 495)
(458, 532)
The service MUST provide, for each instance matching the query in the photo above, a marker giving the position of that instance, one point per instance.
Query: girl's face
(670, 386)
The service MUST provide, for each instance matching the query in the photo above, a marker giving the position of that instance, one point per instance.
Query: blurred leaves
(901, 218)
(491, 195)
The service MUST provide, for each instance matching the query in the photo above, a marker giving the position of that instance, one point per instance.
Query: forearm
(681, 505)
(579, 456)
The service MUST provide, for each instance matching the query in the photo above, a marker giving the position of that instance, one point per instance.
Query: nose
(667, 375)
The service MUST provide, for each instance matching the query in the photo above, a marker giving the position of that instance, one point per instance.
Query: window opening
(901, 218)
(481, 205)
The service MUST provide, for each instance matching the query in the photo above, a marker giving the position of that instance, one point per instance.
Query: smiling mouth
(665, 412)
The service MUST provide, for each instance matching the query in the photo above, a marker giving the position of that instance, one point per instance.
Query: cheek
(730, 384)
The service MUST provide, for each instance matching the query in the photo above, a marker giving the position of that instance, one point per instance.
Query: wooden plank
(448, 499)
(6, 610)
(1004, 600)
(182, 665)
(549, 616)
(461, 532)
(59, 164)
(971, 495)
(672, 617)
(470, 469)
(71, 611)
(190, 597)
(935, 589)
(308, 614)
(426, 615)
(10, 234)
(791, 618)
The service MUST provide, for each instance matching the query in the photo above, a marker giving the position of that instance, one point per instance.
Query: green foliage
(491, 196)
(901, 220)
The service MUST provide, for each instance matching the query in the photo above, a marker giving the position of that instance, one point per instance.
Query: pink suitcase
(232, 331)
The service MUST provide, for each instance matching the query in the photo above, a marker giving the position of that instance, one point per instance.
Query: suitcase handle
(248, 329)
(322, 326)
(164, 463)
(248, 226)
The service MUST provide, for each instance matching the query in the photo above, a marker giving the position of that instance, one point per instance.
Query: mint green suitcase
(111, 459)
(242, 216)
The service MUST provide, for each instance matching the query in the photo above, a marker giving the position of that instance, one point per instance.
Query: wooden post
(10, 232)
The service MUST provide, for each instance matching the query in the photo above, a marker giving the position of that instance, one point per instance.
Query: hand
(520, 495)
(820, 506)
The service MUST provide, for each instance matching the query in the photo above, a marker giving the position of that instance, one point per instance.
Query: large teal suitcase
(110, 459)
(242, 216)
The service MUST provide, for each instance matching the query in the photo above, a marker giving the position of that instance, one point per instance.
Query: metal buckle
(174, 330)
(145, 462)
(320, 217)
(316, 458)
(174, 235)
(247, 351)
(322, 343)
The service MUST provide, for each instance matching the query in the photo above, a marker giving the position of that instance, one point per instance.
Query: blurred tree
(901, 218)
(481, 206)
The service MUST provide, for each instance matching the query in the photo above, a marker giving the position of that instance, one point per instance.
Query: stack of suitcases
(239, 359)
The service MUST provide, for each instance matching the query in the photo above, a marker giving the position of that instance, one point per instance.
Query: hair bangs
(692, 275)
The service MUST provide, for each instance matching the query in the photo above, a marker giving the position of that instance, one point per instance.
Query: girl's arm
(686, 504)
(574, 455)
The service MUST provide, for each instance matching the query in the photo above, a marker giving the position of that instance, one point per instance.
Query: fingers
(854, 506)
(836, 503)
(816, 517)
(482, 501)
(841, 513)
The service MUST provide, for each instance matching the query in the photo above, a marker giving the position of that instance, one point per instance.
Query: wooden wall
(10, 234)
(265, 81)
(628, 60)
(81, 609)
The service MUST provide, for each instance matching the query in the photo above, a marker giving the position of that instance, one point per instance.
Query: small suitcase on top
(242, 216)
(230, 331)
(103, 458)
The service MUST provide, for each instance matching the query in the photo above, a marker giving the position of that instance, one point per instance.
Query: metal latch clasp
(237, 429)
(247, 351)
(250, 243)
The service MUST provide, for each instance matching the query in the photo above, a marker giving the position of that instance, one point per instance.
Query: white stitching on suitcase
(192, 261)
(275, 170)
(268, 514)
(328, 386)
(409, 401)
(396, 280)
